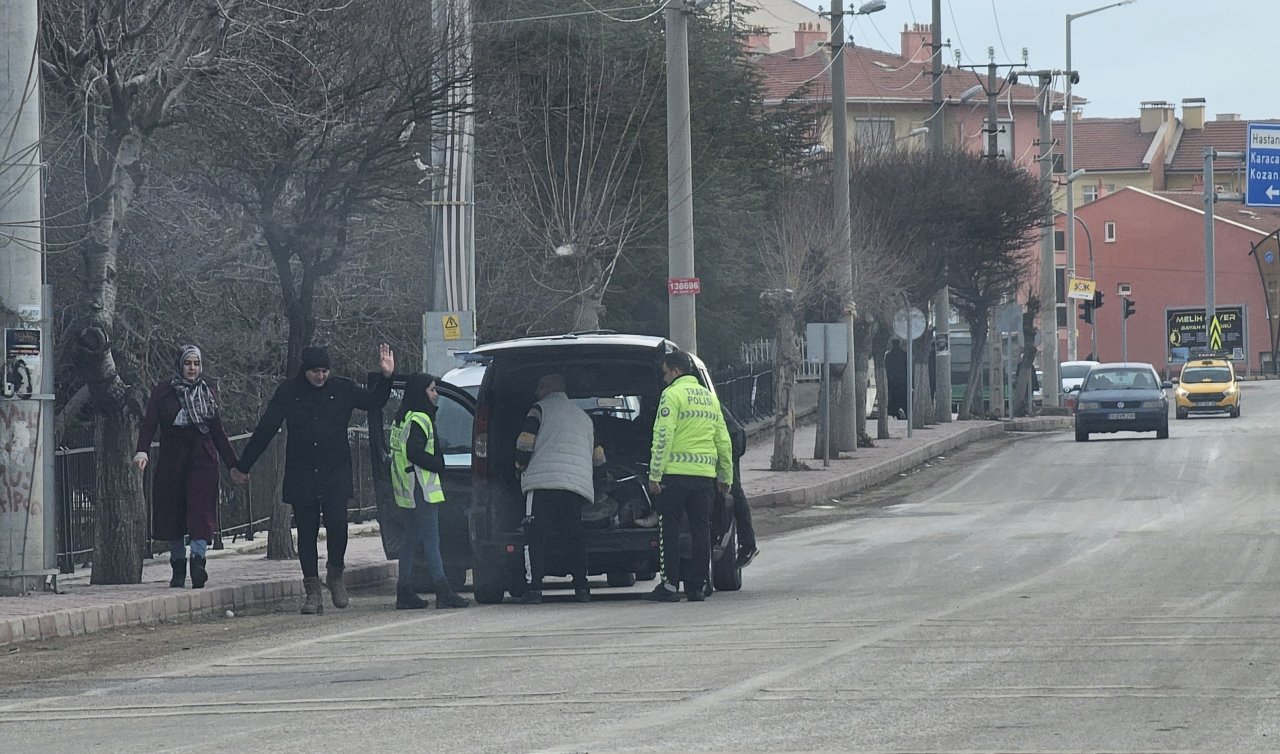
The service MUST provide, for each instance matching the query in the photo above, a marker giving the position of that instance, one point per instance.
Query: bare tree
(1026, 360)
(573, 171)
(119, 70)
(803, 264)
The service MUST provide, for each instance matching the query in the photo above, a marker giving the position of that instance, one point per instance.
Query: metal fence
(758, 355)
(747, 392)
(243, 510)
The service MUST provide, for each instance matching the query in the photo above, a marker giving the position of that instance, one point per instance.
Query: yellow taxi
(1207, 386)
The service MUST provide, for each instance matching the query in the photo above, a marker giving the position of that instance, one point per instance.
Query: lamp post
(1069, 167)
(847, 435)
(1093, 329)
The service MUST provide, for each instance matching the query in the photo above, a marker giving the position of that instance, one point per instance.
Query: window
(1059, 240)
(1109, 232)
(1004, 139)
(873, 133)
(1089, 193)
(1058, 165)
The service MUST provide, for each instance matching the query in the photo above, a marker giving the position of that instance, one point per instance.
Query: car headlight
(1153, 404)
(1181, 392)
(1230, 390)
(1086, 405)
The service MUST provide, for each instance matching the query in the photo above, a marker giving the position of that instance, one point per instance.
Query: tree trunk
(786, 357)
(119, 521)
(921, 399)
(972, 404)
(280, 544)
(1026, 362)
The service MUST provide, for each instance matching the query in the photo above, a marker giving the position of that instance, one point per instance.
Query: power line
(999, 34)
(593, 12)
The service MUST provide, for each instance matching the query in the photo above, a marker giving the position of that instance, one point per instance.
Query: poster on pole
(21, 363)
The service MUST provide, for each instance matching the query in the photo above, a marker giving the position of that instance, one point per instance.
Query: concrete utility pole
(1051, 385)
(681, 306)
(28, 551)
(846, 422)
(941, 301)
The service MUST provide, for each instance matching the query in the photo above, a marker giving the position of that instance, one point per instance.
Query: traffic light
(1128, 308)
(1086, 311)
(1097, 299)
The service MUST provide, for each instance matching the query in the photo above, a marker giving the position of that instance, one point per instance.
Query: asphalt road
(1037, 595)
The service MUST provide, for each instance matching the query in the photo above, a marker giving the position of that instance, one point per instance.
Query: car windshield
(1121, 379)
(1206, 374)
(1075, 371)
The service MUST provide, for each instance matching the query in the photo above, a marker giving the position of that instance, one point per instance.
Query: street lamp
(840, 201)
(1070, 166)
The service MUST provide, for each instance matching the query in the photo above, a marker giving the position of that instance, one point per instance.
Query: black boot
(179, 573)
(446, 597)
(198, 574)
(407, 599)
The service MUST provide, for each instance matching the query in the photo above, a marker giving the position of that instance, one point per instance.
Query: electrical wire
(825, 68)
(999, 34)
(661, 7)
(956, 27)
(572, 14)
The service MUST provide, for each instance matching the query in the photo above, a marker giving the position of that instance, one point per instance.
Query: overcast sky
(1222, 50)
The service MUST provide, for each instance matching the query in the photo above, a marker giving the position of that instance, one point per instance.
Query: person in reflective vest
(691, 452)
(416, 466)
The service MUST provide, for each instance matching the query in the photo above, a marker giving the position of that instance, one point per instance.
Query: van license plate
(1121, 417)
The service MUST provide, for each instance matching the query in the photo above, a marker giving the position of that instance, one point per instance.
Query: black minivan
(616, 379)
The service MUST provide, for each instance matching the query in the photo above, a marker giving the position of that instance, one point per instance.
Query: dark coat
(317, 454)
(184, 486)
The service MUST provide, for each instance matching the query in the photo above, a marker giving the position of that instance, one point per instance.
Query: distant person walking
(416, 465)
(895, 368)
(691, 450)
(184, 488)
(556, 455)
(317, 472)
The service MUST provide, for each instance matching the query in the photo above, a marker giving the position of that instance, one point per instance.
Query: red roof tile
(1104, 143)
(873, 75)
(1224, 135)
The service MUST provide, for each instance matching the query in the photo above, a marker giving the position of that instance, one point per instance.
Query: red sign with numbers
(684, 286)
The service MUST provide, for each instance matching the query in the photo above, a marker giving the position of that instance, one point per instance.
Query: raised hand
(386, 360)
(140, 460)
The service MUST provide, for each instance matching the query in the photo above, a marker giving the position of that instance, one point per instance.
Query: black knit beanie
(314, 357)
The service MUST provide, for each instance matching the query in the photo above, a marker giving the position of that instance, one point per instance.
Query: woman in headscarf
(416, 466)
(184, 489)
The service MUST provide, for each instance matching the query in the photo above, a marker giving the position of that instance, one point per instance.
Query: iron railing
(243, 510)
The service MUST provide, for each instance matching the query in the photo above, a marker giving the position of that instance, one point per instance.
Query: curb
(190, 604)
(859, 480)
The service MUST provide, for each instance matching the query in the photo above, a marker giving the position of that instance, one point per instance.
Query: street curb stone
(163, 607)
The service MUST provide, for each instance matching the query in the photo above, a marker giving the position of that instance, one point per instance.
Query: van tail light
(480, 444)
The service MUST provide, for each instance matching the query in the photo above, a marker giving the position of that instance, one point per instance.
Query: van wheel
(621, 578)
(1235, 413)
(1163, 432)
(725, 573)
(487, 586)
(646, 575)
(1181, 413)
(1081, 435)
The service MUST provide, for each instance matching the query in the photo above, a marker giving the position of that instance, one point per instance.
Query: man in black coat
(317, 471)
(741, 509)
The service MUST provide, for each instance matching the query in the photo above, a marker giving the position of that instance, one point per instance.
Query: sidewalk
(241, 577)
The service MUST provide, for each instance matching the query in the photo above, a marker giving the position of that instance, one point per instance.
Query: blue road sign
(1262, 160)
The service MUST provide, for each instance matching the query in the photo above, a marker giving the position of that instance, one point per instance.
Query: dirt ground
(68, 662)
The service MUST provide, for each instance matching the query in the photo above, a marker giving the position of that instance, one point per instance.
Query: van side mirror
(1167, 385)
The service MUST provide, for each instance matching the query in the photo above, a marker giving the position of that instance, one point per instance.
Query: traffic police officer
(691, 451)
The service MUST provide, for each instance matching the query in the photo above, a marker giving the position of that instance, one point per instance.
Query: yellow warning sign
(1215, 334)
(452, 329)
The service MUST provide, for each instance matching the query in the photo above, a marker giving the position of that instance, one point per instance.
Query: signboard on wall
(1186, 336)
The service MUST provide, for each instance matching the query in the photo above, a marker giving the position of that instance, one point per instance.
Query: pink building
(1154, 242)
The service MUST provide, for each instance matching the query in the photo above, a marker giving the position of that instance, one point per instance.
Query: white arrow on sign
(1272, 192)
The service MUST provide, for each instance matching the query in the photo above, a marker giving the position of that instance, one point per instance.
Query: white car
(1072, 373)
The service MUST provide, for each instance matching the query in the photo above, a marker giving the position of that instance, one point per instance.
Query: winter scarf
(195, 398)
